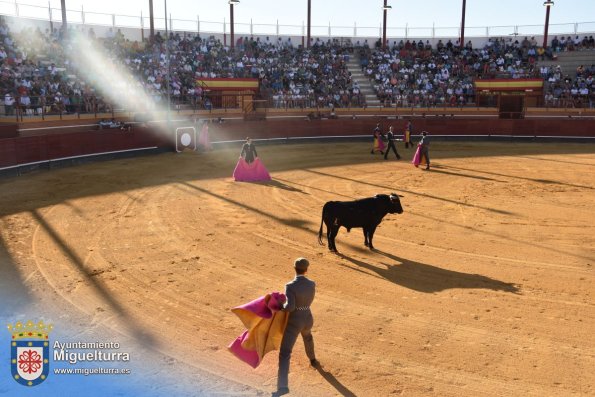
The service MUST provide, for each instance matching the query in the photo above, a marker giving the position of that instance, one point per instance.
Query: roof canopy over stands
(228, 84)
(499, 85)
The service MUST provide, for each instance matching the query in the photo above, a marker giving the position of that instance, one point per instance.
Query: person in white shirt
(8, 104)
(25, 101)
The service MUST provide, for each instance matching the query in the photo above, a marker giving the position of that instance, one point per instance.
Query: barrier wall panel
(64, 145)
(557, 127)
(31, 149)
(151, 137)
(69, 143)
(8, 130)
(94, 142)
(8, 152)
(237, 130)
(105, 141)
(84, 143)
(140, 137)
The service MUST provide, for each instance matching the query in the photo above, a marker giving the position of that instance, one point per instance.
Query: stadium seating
(38, 78)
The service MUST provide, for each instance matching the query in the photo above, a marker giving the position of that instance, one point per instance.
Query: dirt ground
(483, 286)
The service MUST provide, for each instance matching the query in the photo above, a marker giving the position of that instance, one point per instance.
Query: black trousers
(426, 152)
(391, 145)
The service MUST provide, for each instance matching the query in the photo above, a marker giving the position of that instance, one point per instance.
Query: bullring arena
(483, 286)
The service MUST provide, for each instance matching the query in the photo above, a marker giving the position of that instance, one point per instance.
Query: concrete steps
(365, 86)
(571, 60)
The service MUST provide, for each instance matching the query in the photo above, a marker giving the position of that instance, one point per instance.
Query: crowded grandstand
(38, 77)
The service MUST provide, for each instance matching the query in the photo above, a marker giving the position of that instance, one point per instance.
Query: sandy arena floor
(483, 286)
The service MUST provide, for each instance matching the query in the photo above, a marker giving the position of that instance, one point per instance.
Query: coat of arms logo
(29, 352)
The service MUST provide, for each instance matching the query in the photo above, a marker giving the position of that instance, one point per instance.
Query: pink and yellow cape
(418, 158)
(265, 325)
(379, 145)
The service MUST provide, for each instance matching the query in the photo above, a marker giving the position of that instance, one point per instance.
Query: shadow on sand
(280, 185)
(78, 265)
(219, 164)
(316, 188)
(293, 222)
(330, 378)
(13, 290)
(427, 278)
(439, 169)
(401, 190)
(524, 178)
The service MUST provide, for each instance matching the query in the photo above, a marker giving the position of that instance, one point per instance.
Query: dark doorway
(511, 106)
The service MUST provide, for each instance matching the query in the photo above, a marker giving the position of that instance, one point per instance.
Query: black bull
(366, 213)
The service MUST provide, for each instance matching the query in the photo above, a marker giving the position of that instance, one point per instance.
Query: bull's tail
(320, 231)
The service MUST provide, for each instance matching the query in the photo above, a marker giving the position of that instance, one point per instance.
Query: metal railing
(78, 106)
(82, 17)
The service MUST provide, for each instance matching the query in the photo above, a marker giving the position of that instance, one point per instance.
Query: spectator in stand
(24, 103)
(8, 104)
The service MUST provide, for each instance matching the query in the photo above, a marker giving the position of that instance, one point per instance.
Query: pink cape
(203, 138)
(418, 158)
(379, 145)
(265, 325)
(253, 172)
